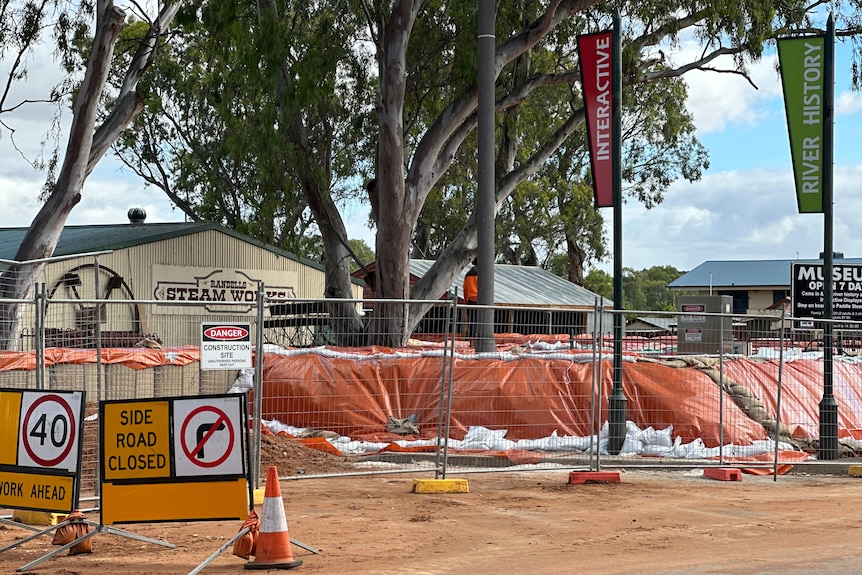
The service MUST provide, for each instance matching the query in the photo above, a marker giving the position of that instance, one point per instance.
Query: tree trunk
(576, 260)
(44, 232)
(314, 174)
(398, 214)
(85, 148)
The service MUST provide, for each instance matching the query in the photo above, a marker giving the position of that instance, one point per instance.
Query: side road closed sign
(173, 459)
(225, 345)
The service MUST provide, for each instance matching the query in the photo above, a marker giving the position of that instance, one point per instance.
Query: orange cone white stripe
(273, 540)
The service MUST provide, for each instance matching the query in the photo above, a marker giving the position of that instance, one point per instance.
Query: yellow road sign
(137, 442)
(10, 412)
(187, 501)
(37, 491)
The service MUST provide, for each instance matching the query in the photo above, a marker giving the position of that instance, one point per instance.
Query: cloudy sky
(743, 208)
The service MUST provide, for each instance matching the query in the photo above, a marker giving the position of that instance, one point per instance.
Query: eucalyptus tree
(25, 25)
(329, 94)
(412, 157)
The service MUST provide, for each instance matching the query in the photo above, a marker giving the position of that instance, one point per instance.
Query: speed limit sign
(49, 431)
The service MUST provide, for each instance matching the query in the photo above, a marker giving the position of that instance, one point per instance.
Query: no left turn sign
(208, 436)
(48, 435)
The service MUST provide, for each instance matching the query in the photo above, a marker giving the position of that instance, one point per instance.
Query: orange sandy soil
(660, 522)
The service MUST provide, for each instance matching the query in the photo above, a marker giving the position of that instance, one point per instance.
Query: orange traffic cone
(273, 539)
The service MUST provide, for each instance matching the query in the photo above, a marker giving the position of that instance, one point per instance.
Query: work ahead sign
(808, 287)
(40, 449)
(173, 459)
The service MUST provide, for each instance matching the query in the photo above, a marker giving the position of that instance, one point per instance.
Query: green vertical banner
(802, 61)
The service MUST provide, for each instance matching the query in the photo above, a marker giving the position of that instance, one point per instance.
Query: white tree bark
(85, 148)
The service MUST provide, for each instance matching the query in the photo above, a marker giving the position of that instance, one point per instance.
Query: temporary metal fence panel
(335, 379)
(343, 389)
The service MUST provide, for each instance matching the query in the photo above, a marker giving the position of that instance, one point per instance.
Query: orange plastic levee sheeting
(802, 391)
(531, 397)
(133, 357)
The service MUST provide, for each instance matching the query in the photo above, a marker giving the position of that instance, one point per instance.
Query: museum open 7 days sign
(40, 449)
(808, 288)
(174, 459)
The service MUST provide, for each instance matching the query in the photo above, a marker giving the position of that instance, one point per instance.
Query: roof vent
(137, 215)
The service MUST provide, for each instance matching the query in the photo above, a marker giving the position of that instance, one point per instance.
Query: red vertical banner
(595, 53)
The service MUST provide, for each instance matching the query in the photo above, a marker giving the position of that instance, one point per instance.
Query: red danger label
(226, 333)
(694, 307)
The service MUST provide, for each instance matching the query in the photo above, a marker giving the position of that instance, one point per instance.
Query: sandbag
(74, 529)
(246, 546)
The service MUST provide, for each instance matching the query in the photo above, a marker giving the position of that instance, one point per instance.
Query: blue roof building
(755, 285)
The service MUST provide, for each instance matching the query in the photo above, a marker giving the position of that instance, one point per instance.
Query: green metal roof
(83, 239)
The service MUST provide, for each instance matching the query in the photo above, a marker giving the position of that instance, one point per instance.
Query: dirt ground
(658, 522)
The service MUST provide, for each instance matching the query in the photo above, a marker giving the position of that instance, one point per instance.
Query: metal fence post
(449, 329)
(97, 331)
(595, 381)
(778, 396)
(257, 387)
(449, 398)
(721, 391)
(41, 311)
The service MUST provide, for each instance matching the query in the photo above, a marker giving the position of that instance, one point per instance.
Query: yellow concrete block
(259, 495)
(440, 486)
(37, 517)
(854, 470)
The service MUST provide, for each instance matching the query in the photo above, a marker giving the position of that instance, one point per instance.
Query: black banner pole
(828, 405)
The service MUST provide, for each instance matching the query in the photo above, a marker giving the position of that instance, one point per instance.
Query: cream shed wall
(208, 249)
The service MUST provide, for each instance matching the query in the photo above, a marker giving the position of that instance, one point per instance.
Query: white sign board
(49, 430)
(225, 346)
(208, 436)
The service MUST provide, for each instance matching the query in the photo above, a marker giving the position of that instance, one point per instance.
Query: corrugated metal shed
(200, 271)
(81, 239)
(765, 274)
(526, 286)
(652, 324)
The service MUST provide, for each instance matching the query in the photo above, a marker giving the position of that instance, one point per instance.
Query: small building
(650, 327)
(755, 285)
(528, 300)
(169, 277)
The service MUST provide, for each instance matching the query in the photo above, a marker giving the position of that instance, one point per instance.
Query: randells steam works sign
(218, 286)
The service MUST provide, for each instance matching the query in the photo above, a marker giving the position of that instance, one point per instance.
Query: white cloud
(847, 103)
(737, 215)
(719, 100)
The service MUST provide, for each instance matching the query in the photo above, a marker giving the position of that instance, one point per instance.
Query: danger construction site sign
(225, 346)
(173, 459)
(40, 449)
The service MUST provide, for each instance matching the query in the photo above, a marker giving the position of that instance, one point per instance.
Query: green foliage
(646, 290)
(211, 135)
(363, 251)
(643, 290)
(600, 282)
(228, 147)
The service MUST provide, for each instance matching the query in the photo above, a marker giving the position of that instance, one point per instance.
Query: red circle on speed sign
(70, 441)
(221, 417)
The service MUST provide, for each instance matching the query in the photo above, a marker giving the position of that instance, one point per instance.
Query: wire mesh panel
(352, 386)
(331, 384)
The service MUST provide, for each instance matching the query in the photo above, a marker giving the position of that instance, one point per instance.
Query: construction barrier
(174, 459)
(40, 449)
